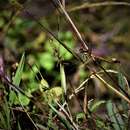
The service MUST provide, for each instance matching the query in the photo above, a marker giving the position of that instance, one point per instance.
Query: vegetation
(64, 65)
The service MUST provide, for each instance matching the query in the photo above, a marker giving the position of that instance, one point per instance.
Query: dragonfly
(85, 48)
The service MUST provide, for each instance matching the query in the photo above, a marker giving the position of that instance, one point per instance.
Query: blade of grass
(115, 117)
(17, 79)
(62, 118)
(19, 127)
(2, 121)
(96, 105)
(5, 115)
(63, 78)
(18, 74)
(122, 81)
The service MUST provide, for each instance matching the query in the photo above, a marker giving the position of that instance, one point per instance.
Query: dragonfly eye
(70, 67)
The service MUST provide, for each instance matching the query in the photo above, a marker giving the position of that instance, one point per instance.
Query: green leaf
(18, 75)
(101, 125)
(68, 35)
(46, 60)
(13, 99)
(115, 117)
(53, 94)
(65, 37)
(43, 85)
(65, 54)
(63, 78)
(24, 101)
(96, 105)
(32, 86)
(56, 91)
(80, 116)
(122, 82)
(16, 81)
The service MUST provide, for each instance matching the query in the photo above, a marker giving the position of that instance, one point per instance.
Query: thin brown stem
(99, 4)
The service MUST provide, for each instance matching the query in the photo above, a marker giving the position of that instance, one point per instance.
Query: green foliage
(48, 88)
(95, 105)
(62, 118)
(53, 94)
(63, 78)
(13, 99)
(1, 22)
(5, 115)
(50, 123)
(115, 117)
(19, 128)
(43, 85)
(18, 75)
(21, 99)
(101, 125)
(46, 60)
(122, 81)
(30, 75)
(80, 117)
(65, 37)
